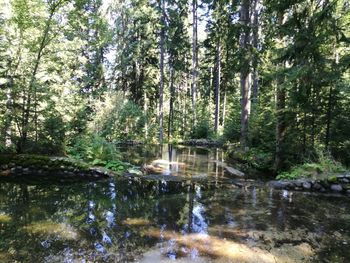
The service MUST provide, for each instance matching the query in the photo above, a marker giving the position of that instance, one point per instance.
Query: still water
(147, 220)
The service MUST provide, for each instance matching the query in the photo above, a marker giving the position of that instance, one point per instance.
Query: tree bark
(244, 75)
(255, 39)
(217, 85)
(171, 103)
(329, 117)
(161, 66)
(194, 60)
(280, 115)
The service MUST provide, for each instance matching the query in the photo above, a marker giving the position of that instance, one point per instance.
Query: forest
(269, 77)
(164, 130)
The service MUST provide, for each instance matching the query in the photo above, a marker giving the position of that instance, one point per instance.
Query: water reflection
(197, 163)
(126, 220)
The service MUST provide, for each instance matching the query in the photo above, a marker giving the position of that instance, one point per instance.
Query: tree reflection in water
(122, 220)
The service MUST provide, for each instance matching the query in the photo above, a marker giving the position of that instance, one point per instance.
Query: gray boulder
(336, 188)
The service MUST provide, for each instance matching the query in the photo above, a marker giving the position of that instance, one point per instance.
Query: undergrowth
(325, 165)
(97, 151)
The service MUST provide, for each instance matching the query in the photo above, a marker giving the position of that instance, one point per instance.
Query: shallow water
(161, 221)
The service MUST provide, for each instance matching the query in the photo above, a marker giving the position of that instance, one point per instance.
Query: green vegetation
(253, 158)
(97, 151)
(268, 75)
(325, 167)
(39, 161)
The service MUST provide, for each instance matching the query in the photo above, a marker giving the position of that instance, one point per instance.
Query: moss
(5, 218)
(332, 179)
(39, 161)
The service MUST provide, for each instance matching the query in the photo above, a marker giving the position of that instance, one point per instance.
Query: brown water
(133, 219)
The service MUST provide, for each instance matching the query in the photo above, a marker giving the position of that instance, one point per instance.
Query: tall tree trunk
(7, 116)
(244, 76)
(145, 110)
(194, 60)
(329, 117)
(280, 114)
(217, 85)
(313, 117)
(211, 88)
(255, 38)
(224, 108)
(225, 81)
(161, 66)
(171, 103)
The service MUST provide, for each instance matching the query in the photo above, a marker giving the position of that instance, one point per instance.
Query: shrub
(202, 130)
(325, 165)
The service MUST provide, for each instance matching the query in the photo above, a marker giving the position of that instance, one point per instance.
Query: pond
(147, 220)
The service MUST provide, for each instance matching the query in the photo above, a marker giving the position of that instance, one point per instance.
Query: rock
(346, 186)
(234, 171)
(26, 171)
(280, 184)
(317, 186)
(299, 183)
(348, 192)
(336, 188)
(344, 180)
(292, 186)
(307, 185)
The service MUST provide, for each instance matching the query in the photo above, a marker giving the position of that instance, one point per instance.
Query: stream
(195, 211)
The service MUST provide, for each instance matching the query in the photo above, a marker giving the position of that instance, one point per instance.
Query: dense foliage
(270, 74)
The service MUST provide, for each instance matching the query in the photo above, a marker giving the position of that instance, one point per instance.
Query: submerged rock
(229, 169)
(280, 184)
(161, 167)
(234, 171)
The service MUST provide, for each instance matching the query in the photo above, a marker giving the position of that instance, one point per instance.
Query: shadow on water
(122, 220)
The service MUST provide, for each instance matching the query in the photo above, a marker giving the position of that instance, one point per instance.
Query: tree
(244, 75)
(194, 59)
(161, 67)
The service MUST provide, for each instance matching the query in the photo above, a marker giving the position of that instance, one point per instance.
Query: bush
(95, 150)
(325, 165)
(118, 119)
(253, 158)
(202, 130)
